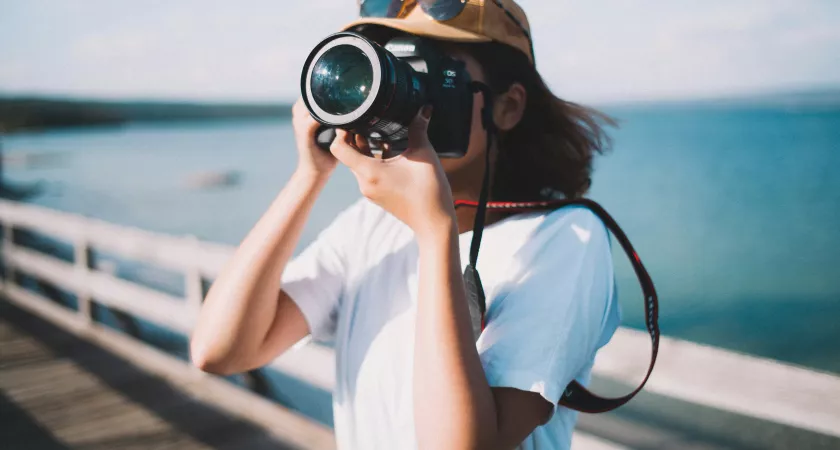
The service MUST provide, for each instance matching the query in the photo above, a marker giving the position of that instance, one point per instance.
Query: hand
(311, 158)
(412, 186)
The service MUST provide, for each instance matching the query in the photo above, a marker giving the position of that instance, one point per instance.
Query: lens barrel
(351, 82)
(341, 79)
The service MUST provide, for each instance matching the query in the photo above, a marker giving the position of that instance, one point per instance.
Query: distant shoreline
(34, 113)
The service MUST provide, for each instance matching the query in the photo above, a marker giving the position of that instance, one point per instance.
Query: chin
(466, 162)
(451, 165)
(455, 168)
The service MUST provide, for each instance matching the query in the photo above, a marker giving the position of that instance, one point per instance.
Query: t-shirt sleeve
(556, 308)
(315, 278)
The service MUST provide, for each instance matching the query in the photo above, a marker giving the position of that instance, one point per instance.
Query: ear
(510, 107)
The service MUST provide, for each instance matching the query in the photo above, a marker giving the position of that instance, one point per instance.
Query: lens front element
(341, 79)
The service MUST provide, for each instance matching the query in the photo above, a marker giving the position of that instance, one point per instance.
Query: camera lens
(352, 82)
(341, 79)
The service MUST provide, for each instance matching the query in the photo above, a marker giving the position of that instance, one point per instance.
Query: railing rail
(699, 374)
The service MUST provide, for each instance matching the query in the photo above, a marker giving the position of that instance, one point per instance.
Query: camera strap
(575, 396)
(472, 281)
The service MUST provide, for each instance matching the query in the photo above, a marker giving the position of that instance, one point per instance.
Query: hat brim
(426, 28)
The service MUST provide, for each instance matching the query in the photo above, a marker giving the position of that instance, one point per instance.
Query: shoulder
(576, 224)
(512, 247)
(536, 251)
(566, 230)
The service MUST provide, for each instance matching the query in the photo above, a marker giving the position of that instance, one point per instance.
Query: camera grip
(324, 137)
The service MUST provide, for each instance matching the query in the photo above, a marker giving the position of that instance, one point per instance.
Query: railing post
(8, 247)
(194, 288)
(82, 260)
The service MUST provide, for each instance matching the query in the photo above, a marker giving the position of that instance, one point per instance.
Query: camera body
(353, 83)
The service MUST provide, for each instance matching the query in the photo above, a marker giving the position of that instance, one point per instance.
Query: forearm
(242, 302)
(454, 406)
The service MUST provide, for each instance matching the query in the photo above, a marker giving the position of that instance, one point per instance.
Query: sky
(253, 50)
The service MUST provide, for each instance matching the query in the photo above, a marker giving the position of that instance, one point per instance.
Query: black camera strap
(575, 396)
(472, 281)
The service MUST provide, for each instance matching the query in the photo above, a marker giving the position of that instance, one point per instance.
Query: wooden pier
(59, 391)
(69, 380)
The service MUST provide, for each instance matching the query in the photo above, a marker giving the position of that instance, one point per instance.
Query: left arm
(454, 406)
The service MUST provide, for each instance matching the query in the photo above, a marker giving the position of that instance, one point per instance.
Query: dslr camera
(352, 82)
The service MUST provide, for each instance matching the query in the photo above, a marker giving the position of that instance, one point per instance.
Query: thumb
(418, 131)
(343, 150)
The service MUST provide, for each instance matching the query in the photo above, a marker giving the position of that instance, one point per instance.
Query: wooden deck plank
(46, 380)
(75, 406)
(16, 352)
(60, 392)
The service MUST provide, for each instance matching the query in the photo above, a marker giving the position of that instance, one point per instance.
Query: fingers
(299, 110)
(363, 145)
(351, 149)
(344, 151)
(302, 120)
(418, 131)
(298, 106)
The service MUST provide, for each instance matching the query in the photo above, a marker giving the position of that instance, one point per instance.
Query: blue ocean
(734, 208)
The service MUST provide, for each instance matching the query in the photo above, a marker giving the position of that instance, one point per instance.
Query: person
(383, 281)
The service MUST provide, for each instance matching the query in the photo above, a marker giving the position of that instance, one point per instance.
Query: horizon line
(209, 101)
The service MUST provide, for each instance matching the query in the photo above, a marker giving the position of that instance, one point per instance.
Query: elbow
(206, 360)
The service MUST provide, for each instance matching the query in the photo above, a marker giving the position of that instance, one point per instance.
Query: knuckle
(336, 145)
(369, 180)
(372, 180)
(367, 175)
(369, 190)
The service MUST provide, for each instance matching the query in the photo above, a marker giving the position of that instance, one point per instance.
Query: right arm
(244, 322)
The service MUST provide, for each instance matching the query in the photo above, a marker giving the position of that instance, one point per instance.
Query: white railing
(699, 374)
(195, 260)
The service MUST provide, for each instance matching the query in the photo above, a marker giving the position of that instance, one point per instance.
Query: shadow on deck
(58, 391)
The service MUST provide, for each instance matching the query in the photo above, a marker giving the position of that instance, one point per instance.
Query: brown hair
(552, 147)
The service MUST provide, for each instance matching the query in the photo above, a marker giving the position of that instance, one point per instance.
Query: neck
(466, 219)
(466, 216)
(471, 190)
(466, 185)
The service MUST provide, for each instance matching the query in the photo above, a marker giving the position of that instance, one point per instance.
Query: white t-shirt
(551, 304)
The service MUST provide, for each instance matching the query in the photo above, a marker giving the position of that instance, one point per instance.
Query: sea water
(734, 209)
